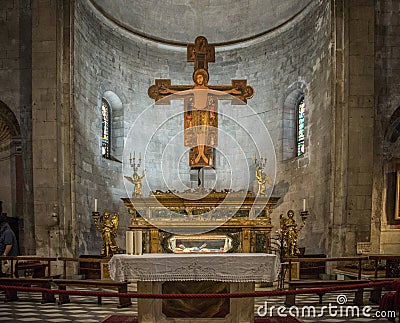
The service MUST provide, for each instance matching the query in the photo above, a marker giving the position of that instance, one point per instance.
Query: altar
(198, 274)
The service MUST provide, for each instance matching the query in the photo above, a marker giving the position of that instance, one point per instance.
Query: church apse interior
(325, 76)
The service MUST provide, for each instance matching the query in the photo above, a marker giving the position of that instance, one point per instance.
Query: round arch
(294, 94)
(11, 185)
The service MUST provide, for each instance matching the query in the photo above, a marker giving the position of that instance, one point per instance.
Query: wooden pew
(66, 261)
(11, 294)
(378, 258)
(359, 260)
(42, 264)
(293, 285)
(122, 287)
(376, 292)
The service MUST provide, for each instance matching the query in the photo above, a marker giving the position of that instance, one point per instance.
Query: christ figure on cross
(201, 118)
(201, 103)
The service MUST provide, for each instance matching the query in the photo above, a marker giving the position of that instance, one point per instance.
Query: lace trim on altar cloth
(255, 267)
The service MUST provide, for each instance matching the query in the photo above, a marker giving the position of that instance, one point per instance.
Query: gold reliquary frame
(211, 201)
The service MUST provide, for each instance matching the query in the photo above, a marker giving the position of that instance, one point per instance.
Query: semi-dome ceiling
(181, 21)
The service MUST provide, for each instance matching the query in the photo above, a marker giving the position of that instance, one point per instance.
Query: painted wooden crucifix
(201, 103)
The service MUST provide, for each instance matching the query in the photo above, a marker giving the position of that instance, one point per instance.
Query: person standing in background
(8, 243)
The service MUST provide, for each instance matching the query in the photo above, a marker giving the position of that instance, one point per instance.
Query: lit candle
(95, 205)
(304, 204)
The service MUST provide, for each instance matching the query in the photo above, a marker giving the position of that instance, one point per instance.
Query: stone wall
(385, 228)
(59, 59)
(109, 59)
(16, 95)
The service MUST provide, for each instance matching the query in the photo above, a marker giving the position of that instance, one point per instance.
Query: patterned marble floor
(29, 309)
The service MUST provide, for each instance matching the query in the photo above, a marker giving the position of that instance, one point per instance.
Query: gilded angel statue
(107, 225)
(136, 180)
(262, 179)
(290, 232)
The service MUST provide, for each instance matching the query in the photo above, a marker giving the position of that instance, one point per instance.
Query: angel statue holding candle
(136, 180)
(290, 231)
(262, 179)
(107, 225)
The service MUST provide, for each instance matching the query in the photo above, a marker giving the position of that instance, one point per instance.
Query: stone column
(352, 125)
(51, 90)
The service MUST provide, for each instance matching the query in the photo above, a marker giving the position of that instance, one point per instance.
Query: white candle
(304, 204)
(138, 242)
(95, 205)
(129, 242)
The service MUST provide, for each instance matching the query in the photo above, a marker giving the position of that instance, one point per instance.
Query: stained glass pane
(105, 129)
(300, 127)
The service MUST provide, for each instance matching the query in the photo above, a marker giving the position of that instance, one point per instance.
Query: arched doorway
(11, 184)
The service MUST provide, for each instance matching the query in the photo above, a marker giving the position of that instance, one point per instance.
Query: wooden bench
(36, 266)
(293, 285)
(92, 268)
(376, 292)
(11, 294)
(122, 287)
(378, 258)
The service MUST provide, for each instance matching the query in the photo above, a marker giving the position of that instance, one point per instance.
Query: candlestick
(95, 205)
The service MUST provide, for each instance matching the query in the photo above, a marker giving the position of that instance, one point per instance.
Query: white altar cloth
(232, 267)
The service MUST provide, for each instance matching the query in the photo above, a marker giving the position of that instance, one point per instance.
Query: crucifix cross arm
(238, 89)
(163, 88)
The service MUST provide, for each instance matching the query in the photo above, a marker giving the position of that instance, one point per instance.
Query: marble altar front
(195, 273)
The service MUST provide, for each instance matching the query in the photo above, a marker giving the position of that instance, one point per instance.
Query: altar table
(195, 273)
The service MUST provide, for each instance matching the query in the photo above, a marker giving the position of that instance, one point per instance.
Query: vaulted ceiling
(181, 21)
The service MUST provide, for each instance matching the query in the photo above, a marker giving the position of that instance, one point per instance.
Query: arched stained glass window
(105, 129)
(301, 106)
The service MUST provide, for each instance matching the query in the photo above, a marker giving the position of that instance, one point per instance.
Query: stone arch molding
(113, 99)
(393, 129)
(117, 124)
(293, 95)
(9, 127)
(391, 145)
